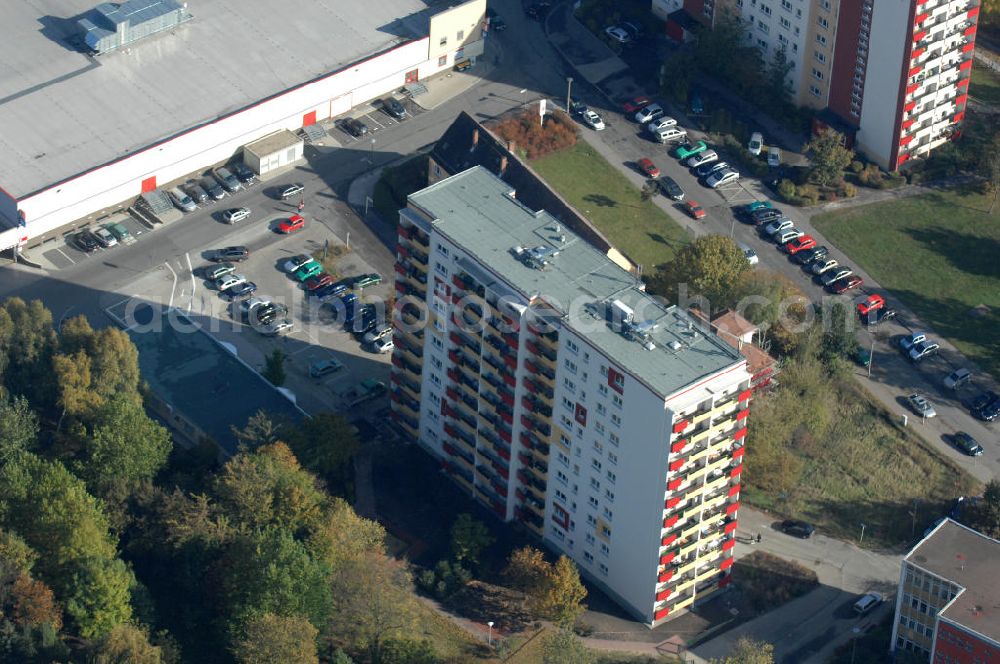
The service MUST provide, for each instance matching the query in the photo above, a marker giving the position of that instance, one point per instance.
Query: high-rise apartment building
(556, 392)
(895, 73)
(947, 602)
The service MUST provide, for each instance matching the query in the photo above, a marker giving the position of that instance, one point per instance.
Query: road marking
(173, 287)
(194, 283)
(65, 255)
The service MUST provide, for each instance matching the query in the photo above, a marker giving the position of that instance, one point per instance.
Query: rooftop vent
(539, 258)
(111, 26)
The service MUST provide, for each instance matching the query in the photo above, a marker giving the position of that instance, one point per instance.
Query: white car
(105, 237)
(719, 178)
(787, 235)
(232, 215)
(655, 126)
(296, 262)
(773, 157)
(592, 120)
(749, 253)
(383, 345)
(705, 157)
(277, 327)
(620, 35)
(756, 143)
(777, 226)
(229, 281)
(821, 266)
(921, 406)
(648, 114)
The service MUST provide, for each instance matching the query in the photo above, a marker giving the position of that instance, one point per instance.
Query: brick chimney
(475, 138)
(503, 165)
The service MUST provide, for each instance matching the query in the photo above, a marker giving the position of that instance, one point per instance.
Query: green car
(863, 356)
(366, 280)
(758, 205)
(690, 149)
(310, 269)
(120, 232)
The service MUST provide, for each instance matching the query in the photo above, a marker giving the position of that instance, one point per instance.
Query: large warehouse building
(82, 133)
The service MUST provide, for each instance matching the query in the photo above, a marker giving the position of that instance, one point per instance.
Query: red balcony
(910, 105)
(400, 269)
(508, 399)
(527, 423)
(453, 375)
(974, 12)
(452, 393)
(453, 356)
(730, 527)
(533, 348)
(531, 366)
(511, 340)
(968, 32)
(524, 458)
(726, 564)
(744, 395)
(743, 414)
(680, 426)
(668, 540)
(405, 232)
(511, 363)
(678, 446)
(403, 252)
(677, 465)
(671, 521)
(739, 453)
(728, 544)
(506, 436)
(958, 117)
(735, 472)
(961, 99)
(448, 449)
(510, 380)
(906, 140)
(662, 613)
(910, 89)
(666, 558)
(741, 434)
(458, 281)
(663, 594)
(725, 581)
(663, 578)
(507, 417)
(671, 503)
(917, 53)
(921, 18)
(968, 47)
(732, 508)
(673, 484)
(920, 35)
(734, 490)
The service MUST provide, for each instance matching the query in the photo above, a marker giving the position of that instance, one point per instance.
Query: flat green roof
(529, 250)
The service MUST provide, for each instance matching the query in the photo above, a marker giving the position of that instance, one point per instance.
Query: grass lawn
(451, 642)
(938, 253)
(638, 228)
(985, 85)
(768, 581)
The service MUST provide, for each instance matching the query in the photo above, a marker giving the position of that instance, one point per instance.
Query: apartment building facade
(556, 392)
(895, 73)
(946, 603)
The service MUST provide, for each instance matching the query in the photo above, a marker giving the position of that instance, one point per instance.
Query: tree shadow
(968, 253)
(600, 200)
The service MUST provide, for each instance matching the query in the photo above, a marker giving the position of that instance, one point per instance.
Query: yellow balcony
(406, 410)
(466, 484)
(465, 426)
(686, 567)
(711, 571)
(533, 528)
(702, 435)
(687, 548)
(687, 583)
(406, 427)
(469, 390)
(715, 484)
(723, 460)
(682, 604)
(691, 529)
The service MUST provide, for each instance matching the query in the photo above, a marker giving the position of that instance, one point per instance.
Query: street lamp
(490, 636)
(871, 356)
(862, 539)
(372, 158)
(569, 88)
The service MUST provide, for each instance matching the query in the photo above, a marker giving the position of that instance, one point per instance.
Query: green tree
(649, 190)
(18, 428)
(270, 639)
(125, 644)
(469, 538)
(562, 601)
(341, 657)
(326, 445)
(125, 449)
(749, 651)
(838, 338)
(341, 536)
(98, 596)
(409, 651)
(777, 76)
(259, 430)
(711, 266)
(274, 367)
(984, 515)
(26, 344)
(829, 157)
(564, 647)
(115, 361)
(75, 394)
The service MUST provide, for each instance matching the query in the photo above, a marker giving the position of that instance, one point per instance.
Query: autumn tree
(325, 444)
(469, 538)
(126, 644)
(562, 646)
(562, 600)
(34, 603)
(260, 430)
(270, 638)
(749, 651)
(984, 514)
(828, 156)
(18, 428)
(527, 571)
(710, 266)
(341, 536)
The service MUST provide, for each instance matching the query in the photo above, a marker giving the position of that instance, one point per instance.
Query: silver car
(282, 326)
(921, 406)
(216, 272)
(227, 179)
(229, 280)
(292, 190)
(232, 215)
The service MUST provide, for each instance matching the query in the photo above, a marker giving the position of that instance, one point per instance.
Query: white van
(756, 143)
(670, 134)
(867, 602)
(182, 200)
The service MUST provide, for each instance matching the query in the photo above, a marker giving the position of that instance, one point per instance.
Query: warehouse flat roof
(63, 112)
(479, 212)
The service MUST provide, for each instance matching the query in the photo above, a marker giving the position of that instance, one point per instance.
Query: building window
(763, 27)
(610, 495)
(613, 458)
(461, 35)
(786, 5)
(817, 74)
(588, 556)
(608, 514)
(571, 367)
(599, 427)
(617, 400)
(615, 440)
(783, 40)
(592, 501)
(604, 569)
(444, 41)
(616, 419)
(785, 23)
(601, 409)
(612, 477)
(596, 464)
(569, 385)
(822, 22)
(824, 4)
(814, 90)
(606, 531)
(594, 484)
(561, 476)
(442, 269)
(819, 56)
(603, 390)
(442, 61)
(606, 550)
(820, 39)
(563, 459)
(765, 10)
(591, 520)
(572, 346)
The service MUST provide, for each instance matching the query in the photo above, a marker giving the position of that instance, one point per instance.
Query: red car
(871, 304)
(318, 281)
(292, 224)
(649, 168)
(633, 106)
(800, 244)
(846, 284)
(694, 209)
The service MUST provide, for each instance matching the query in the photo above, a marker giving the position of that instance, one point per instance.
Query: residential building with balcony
(946, 603)
(559, 394)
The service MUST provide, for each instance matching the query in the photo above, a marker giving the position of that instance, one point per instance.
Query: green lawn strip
(451, 642)
(640, 229)
(939, 254)
(985, 85)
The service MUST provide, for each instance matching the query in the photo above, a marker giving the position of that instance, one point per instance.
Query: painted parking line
(65, 255)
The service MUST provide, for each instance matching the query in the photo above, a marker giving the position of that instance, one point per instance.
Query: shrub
(871, 176)
(857, 166)
(809, 194)
(849, 190)
(893, 181)
(787, 190)
(556, 132)
(444, 580)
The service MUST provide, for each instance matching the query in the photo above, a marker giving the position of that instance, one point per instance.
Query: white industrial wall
(217, 141)
(881, 112)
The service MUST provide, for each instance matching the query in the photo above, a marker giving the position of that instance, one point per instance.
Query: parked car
(765, 215)
(229, 280)
(661, 123)
(354, 127)
(648, 114)
(277, 327)
(697, 105)
(750, 208)
(749, 253)
(773, 157)
(923, 350)
(376, 334)
(245, 175)
(236, 254)
(366, 280)
(776, 226)
(867, 603)
(181, 200)
(577, 107)
(871, 304)
(325, 367)
(392, 106)
(671, 189)
(694, 209)
(269, 312)
(105, 237)
(967, 444)
(787, 235)
(957, 379)
(809, 255)
(383, 345)
(702, 158)
(632, 106)
(118, 230)
(632, 27)
(880, 316)
(796, 528)
(219, 270)
(213, 188)
(670, 134)
(86, 241)
(247, 307)
(921, 406)
(295, 262)
(721, 178)
(233, 215)
(294, 223)
(592, 120)
(330, 290)
(799, 244)
(196, 192)
(823, 265)
(292, 190)
(847, 283)
(617, 34)
(838, 272)
(310, 269)
(647, 166)
(985, 406)
(756, 143)
(229, 181)
(910, 340)
(688, 150)
(705, 170)
(240, 291)
(313, 284)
